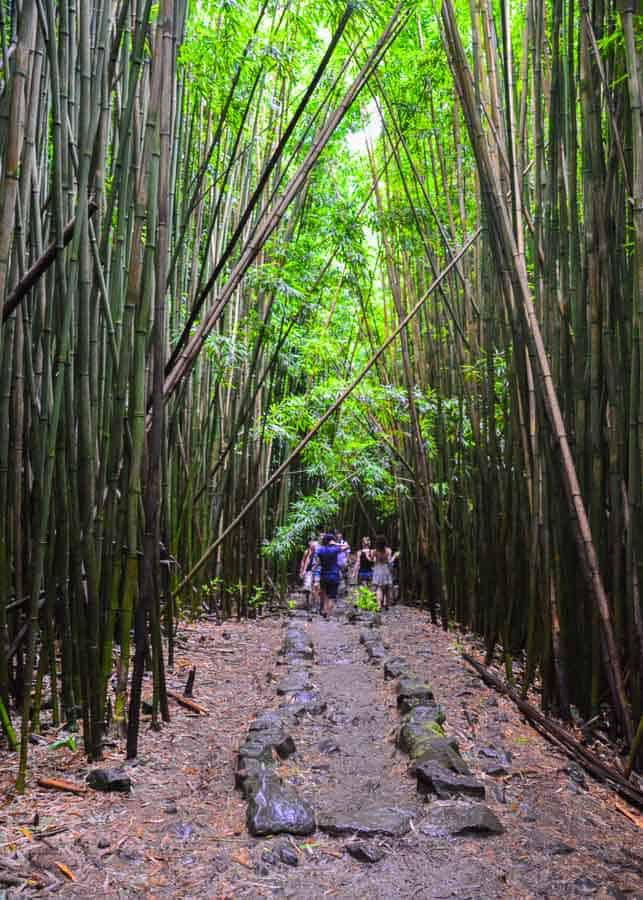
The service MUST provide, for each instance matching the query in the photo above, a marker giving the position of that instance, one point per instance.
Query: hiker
(382, 580)
(342, 559)
(328, 554)
(363, 569)
(306, 571)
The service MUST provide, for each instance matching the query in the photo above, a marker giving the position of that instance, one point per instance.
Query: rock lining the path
(454, 817)
(413, 692)
(396, 667)
(366, 853)
(367, 822)
(434, 778)
(275, 808)
(297, 680)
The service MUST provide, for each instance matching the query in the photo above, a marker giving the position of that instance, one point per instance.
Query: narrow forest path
(181, 833)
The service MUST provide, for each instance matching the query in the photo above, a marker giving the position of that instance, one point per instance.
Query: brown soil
(182, 832)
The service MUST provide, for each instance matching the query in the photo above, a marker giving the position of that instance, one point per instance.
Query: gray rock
(444, 751)
(434, 778)
(495, 769)
(457, 817)
(170, 807)
(305, 702)
(103, 843)
(268, 720)
(389, 820)
(276, 808)
(295, 681)
(110, 780)
(419, 728)
(260, 744)
(288, 855)
(328, 745)
(376, 652)
(396, 667)
(412, 692)
(585, 886)
(366, 853)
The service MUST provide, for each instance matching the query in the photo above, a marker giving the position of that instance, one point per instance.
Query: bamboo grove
(214, 217)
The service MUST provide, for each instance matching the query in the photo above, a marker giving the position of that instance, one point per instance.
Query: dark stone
(363, 617)
(110, 780)
(412, 692)
(147, 708)
(396, 667)
(170, 808)
(576, 774)
(103, 843)
(295, 681)
(585, 886)
(444, 751)
(305, 702)
(276, 808)
(457, 817)
(328, 745)
(491, 702)
(262, 870)
(389, 820)
(559, 849)
(433, 777)
(288, 855)
(268, 856)
(496, 769)
(256, 747)
(266, 721)
(376, 652)
(366, 853)
(248, 776)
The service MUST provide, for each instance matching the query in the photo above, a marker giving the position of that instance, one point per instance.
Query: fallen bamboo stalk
(189, 704)
(57, 784)
(561, 737)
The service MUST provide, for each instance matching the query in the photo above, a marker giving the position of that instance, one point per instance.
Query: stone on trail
(388, 820)
(432, 777)
(295, 681)
(457, 817)
(110, 780)
(366, 853)
(444, 751)
(396, 667)
(413, 692)
(288, 855)
(304, 702)
(260, 743)
(276, 808)
(328, 745)
(376, 652)
(419, 728)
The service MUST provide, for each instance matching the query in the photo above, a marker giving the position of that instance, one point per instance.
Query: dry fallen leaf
(243, 858)
(66, 871)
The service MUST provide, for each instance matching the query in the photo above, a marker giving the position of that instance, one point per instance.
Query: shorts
(330, 588)
(308, 581)
(364, 575)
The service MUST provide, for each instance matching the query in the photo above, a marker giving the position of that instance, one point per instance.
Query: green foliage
(366, 599)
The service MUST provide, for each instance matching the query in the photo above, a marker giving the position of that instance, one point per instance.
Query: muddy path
(182, 831)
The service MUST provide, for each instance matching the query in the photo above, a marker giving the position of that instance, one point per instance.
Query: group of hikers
(329, 561)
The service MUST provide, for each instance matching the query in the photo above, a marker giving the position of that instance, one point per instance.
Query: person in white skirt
(382, 580)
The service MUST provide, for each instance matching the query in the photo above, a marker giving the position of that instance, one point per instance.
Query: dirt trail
(181, 834)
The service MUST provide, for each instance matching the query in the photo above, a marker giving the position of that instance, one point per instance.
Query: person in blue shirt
(327, 554)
